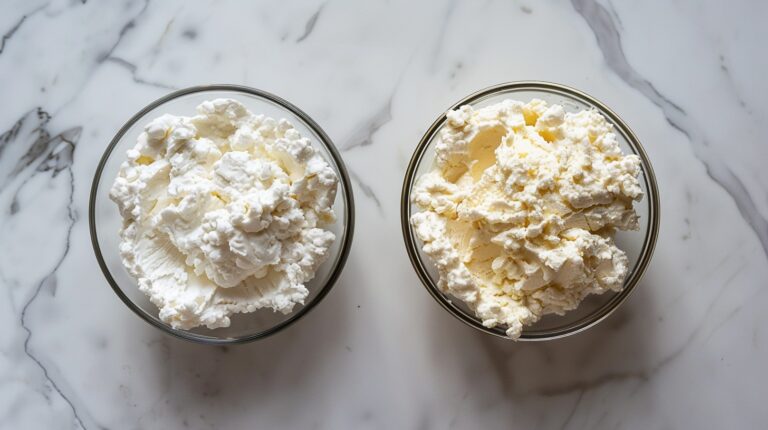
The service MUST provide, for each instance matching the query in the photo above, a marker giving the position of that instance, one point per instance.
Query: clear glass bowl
(105, 220)
(638, 245)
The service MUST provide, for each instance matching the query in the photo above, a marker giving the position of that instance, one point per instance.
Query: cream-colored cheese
(223, 213)
(521, 207)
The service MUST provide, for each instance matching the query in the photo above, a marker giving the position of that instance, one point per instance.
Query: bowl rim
(633, 278)
(346, 190)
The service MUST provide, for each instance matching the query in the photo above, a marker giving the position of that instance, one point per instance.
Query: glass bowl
(638, 245)
(105, 220)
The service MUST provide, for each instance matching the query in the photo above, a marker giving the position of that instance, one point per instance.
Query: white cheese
(521, 207)
(223, 213)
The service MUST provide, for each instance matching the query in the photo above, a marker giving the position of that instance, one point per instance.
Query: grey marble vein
(58, 158)
(62, 154)
(643, 375)
(36, 119)
(499, 357)
(640, 375)
(457, 67)
(10, 135)
(363, 134)
(365, 188)
(730, 316)
(735, 90)
(594, 383)
(103, 56)
(614, 14)
(310, 25)
(609, 40)
(127, 27)
(133, 70)
(160, 41)
(571, 414)
(9, 34)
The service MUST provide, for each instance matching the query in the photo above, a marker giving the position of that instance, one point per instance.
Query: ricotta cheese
(520, 210)
(223, 212)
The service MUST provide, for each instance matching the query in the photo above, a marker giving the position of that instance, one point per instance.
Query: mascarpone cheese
(520, 210)
(223, 212)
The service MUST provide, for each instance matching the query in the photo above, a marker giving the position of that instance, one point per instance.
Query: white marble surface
(688, 350)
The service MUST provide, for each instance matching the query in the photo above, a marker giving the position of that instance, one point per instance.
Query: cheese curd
(520, 210)
(223, 212)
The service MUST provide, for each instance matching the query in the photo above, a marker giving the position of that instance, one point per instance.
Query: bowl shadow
(221, 380)
(543, 383)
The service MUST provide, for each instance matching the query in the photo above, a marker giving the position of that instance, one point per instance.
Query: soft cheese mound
(521, 207)
(223, 213)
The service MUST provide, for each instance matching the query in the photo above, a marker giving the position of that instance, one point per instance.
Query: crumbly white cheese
(521, 207)
(223, 213)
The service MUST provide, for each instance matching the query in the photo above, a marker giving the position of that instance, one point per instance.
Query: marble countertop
(687, 350)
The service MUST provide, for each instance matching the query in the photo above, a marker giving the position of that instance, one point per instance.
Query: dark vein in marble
(498, 356)
(102, 57)
(157, 47)
(10, 135)
(40, 145)
(732, 84)
(456, 69)
(62, 155)
(132, 69)
(58, 160)
(363, 134)
(127, 27)
(310, 25)
(644, 375)
(609, 41)
(732, 314)
(583, 386)
(735, 311)
(9, 34)
(614, 14)
(573, 411)
(366, 189)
